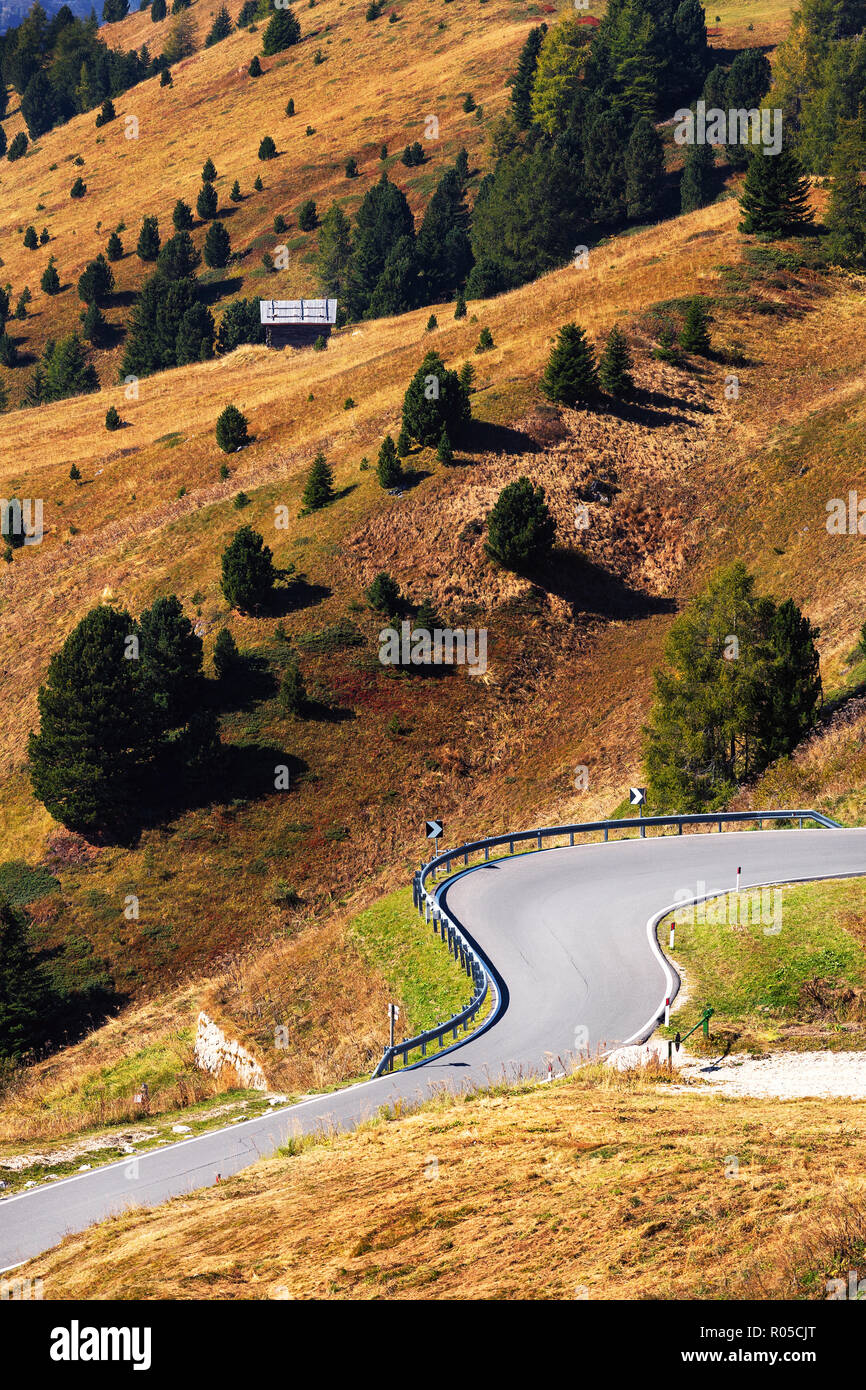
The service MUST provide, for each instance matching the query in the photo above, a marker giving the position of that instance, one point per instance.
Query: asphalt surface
(566, 932)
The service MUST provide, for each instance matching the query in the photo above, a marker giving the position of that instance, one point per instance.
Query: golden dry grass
(599, 1187)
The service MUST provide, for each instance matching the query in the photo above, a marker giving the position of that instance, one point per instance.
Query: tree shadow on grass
(591, 589)
(217, 289)
(251, 682)
(324, 713)
(484, 437)
(297, 594)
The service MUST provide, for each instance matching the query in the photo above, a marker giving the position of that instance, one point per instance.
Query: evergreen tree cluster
(121, 712)
(741, 687)
(61, 67)
(819, 76)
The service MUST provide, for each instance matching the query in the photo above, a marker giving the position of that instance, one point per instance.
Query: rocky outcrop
(213, 1051)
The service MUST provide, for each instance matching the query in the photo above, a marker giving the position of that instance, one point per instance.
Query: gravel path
(788, 1075)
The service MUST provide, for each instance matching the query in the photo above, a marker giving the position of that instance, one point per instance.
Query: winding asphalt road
(569, 934)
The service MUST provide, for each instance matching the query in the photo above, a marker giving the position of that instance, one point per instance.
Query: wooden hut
(297, 322)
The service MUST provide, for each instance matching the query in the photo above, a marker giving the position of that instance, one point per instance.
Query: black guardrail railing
(471, 960)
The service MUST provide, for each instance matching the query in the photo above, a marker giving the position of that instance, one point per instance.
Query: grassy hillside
(594, 1187)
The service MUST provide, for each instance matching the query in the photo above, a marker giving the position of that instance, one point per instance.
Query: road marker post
(738, 877)
(667, 1012)
(673, 925)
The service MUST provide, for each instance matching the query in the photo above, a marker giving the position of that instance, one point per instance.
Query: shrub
(351, 167)
(413, 155)
(231, 430)
(247, 571)
(308, 218)
(267, 148)
(432, 323)
(166, 79)
(107, 113)
(520, 529)
(112, 419)
(75, 473)
(485, 341)
(293, 692)
(78, 189)
(280, 224)
(290, 106)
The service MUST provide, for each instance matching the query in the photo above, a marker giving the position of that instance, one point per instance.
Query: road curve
(565, 931)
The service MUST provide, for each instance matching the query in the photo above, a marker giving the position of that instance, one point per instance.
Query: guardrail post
(486, 851)
(642, 831)
(801, 822)
(510, 846)
(605, 834)
(679, 827)
(539, 839)
(466, 856)
(571, 837)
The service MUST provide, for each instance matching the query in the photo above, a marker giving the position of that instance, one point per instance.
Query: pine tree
(235, 194)
(444, 452)
(208, 173)
(698, 180)
(644, 171)
(267, 148)
(520, 528)
(334, 252)
(114, 10)
(179, 258)
(206, 203)
(319, 489)
(308, 218)
(615, 367)
(388, 468)
(846, 212)
(217, 246)
(165, 77)
(460, 306)
(86, 760)
(182, 217)
(404, 444)
(247, 571)
(231, 430)
(67, 371)
(96, 282)
(31, 240)
(75, 473)
(195, 335)
(384, 595)
(695, 336)
(255, 68)
(147, 248)
(107, 113)
(443, 246)
(25, 995)
(158, 10)
(775, 198)
(571, 376)
(434, 399)
(78, 189)
(114, 249)
(94, 328)
(521, 84)
(221, 27)
(112, 419)
(282, 32)
(44, 237)
(50, 281)
(290, 106)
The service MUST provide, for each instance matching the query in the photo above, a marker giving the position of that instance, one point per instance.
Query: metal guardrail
(472, 961)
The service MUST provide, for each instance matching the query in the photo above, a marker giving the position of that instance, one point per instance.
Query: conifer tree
(520, 528)
(247, 571)
(231, 430)
(94, 328)
(293, 691)
(697, 183)
(147, 248)
(846, 212)
(226, 657)
(334, 252)
(50, 281)
(388, 468)
(208, 173)
(571, 375)
(775, 198)
(217, 246)
(221, 27)
(282, 32)
(695, 336)
(267, 148)
(182, 217)
(235, 194)
(25, 995)
(158, 10)
(460, 306)
(114, 249)
(644, 171)
(112, 419)
(615, 367)
(255, 68)
(444, 451)
(206, 202)
(31, 240)
(404, 444)
(521, 85)
(319, 489)
(434, 399)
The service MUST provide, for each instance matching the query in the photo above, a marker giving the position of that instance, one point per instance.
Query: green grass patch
(416, 964)
(781, 967)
